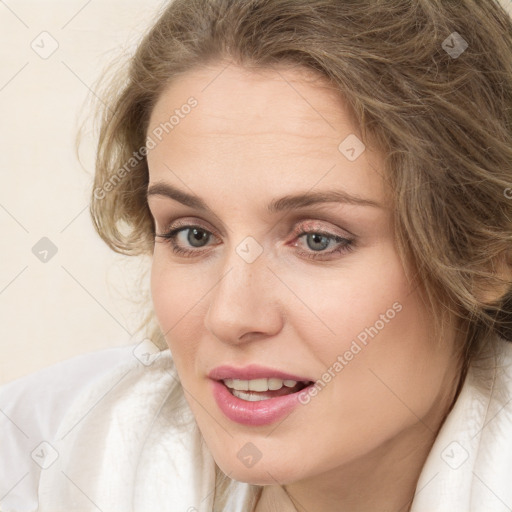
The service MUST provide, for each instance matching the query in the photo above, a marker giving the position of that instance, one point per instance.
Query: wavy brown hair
(444, 122)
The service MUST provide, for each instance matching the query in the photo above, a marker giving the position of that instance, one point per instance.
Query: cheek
(395, 374)
(360, 302)
(177, 295)
(379, 353)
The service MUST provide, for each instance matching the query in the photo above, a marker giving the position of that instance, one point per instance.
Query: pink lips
(263, 412)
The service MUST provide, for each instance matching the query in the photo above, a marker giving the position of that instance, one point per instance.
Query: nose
(244, 305)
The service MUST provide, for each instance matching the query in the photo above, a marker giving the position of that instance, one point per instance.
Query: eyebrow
(285, 203)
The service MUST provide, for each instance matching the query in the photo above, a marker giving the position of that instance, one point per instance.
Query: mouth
(256, 390)
(255, 395)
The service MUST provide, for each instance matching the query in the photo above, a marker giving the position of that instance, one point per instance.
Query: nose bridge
(243, 300)
(245, 267)
(243, 279)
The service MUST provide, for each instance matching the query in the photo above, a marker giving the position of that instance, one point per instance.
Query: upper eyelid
(177, 224)
(312, 209)
(319, 213)
(167, 226)
(154, 215)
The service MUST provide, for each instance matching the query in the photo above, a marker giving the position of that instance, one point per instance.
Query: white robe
(96, 433)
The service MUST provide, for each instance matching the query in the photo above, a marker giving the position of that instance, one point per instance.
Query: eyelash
(344, 244)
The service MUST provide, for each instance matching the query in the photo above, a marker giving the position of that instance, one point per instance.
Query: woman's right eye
(182, 238)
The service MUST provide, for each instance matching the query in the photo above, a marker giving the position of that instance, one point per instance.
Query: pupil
(196, 237)
(317, 242)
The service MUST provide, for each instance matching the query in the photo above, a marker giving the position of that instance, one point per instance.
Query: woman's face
(283, 266)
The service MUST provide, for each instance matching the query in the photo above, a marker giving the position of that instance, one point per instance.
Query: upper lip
(252, 371)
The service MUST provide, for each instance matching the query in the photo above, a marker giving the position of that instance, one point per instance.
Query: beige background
(77, 301)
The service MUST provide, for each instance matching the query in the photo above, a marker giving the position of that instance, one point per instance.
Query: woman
(322, 189)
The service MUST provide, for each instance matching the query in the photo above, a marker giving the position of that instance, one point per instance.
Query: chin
(260, 473)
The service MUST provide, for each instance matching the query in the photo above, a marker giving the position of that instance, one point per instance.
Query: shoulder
(32, 409)
(470, 463)
(38, 401)
(131, 441)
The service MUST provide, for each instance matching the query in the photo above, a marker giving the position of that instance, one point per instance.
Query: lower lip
(262, 412)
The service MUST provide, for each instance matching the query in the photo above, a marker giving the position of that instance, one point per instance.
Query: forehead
(292, 100)
(282, 121)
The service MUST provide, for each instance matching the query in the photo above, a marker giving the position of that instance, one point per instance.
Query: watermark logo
(146, 352)
(455, 455)
(249, 455)
(44, 455)
(351, 147)
(249, 249)
(45, 45)
(44, 250)
(454, 45)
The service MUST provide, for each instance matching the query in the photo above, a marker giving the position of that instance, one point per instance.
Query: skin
(256, 136)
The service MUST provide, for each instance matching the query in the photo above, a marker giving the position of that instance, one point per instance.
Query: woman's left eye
(189, 240)
(317, 243)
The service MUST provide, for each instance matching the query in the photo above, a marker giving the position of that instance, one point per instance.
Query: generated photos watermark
(152, 140)
(357, 345)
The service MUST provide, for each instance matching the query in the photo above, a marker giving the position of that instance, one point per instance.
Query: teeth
(274, 384)
(248, 396)
(259, 384)
(241, 385)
